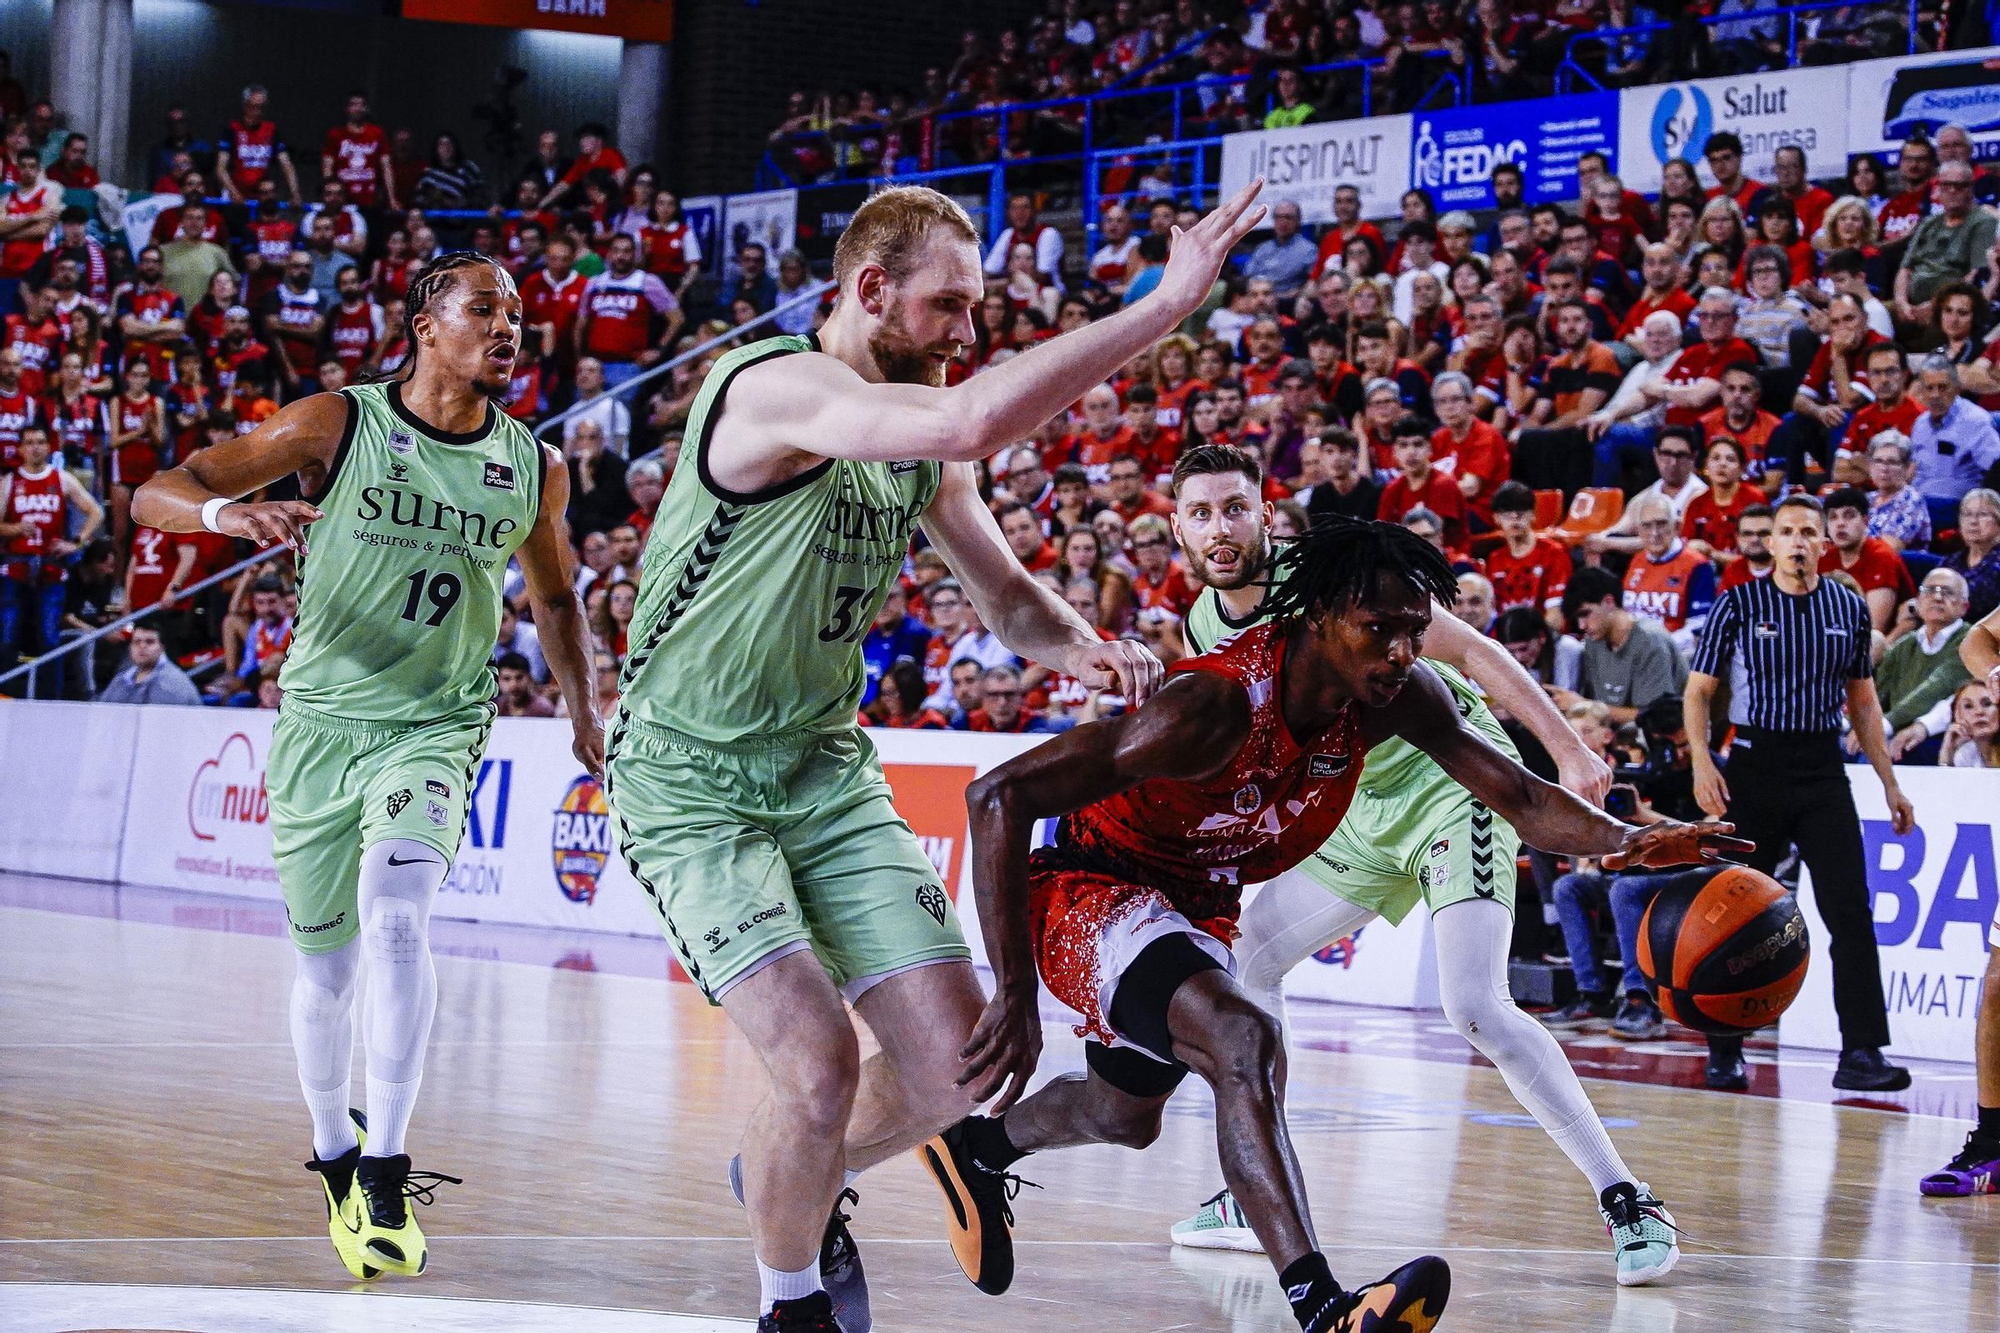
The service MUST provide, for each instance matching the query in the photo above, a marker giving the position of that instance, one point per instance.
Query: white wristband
(211, 509)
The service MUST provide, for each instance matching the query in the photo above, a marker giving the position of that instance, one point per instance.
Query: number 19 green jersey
(399, 598)
(752, 607)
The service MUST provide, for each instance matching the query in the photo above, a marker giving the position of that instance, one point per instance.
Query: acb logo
(580, 843)
(1683, 118)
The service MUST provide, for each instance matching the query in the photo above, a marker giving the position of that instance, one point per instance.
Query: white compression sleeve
(1290, 919)
(399, 882)
(322, 1020)
(1472, 940)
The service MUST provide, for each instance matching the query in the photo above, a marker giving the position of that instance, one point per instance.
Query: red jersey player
(1235, 771)
(1525, 569)
(35, 506)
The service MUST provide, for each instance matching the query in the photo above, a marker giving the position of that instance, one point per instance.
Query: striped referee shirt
(1787, 658)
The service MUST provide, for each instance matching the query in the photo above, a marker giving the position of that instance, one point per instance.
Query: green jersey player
(422, 491)
(748, 805)
(1412, 834)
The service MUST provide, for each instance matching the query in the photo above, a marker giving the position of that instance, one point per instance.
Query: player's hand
(1197, 254)
(1672, 843)
(270, 522)
(1711, 793)
(1586, 774)
(1005, 1046)
(588, 742)
(1902, 815)
(1121, 666)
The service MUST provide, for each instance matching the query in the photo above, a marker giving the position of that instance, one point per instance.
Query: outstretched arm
(1191, 729)
(301, 437)
(1508, 684)
(1026, 616)
(559, 623)
(1547, 816)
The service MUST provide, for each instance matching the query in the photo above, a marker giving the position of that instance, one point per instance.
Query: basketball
(1728, 957)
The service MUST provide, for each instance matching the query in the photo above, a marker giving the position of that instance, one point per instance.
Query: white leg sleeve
(1472, 939)
(322, 1020)
(1290, 919)
(399, 882)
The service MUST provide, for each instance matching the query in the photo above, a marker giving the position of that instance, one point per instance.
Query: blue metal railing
(1570, 70)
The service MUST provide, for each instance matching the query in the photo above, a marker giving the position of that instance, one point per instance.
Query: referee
(1795, 647)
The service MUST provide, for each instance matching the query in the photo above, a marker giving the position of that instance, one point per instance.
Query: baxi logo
(1340, 953)
(1682, 122)
(580, 843)
(228, 789)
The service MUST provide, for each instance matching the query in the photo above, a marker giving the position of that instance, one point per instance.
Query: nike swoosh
(413, 861)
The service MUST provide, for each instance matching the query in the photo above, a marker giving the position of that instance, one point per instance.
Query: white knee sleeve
(1289, 920)
(399, 881)
(322, 1016)
(1472, 939)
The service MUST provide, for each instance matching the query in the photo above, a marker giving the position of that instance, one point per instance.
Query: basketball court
(150, 1150)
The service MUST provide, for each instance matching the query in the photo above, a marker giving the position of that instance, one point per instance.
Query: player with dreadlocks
(421, 490)
(1238, 769)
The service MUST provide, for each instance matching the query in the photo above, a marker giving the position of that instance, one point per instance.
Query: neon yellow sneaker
(390, 1236)
(342, 1212)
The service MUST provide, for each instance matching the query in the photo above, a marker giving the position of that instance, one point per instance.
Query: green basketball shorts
(773, 845)
(338, 785)
(1394, 848)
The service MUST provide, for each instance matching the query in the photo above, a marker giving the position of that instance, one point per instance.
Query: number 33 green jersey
(752, 608)
(399, 598)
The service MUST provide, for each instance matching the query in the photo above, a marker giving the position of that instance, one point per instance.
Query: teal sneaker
(1218, 1226)
(1643, 1235)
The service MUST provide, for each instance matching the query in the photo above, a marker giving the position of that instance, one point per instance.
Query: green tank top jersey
(752, 607)
(1395, 767)
(399, 597)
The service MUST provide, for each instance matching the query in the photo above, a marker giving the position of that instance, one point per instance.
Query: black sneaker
(1639, 1019)
(1409, 1300)
(979, 1218)
(1863, 1069)
(1726, 1072)
(1587, 1007)
(808, 1314)
(840, 1271)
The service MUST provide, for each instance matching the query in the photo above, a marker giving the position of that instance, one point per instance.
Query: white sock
(322, 1024)
(399, 880)
(782, 1286)
(389, 1108)
(1472, 939)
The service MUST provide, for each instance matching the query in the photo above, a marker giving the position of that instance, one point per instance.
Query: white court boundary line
(1356, 1246)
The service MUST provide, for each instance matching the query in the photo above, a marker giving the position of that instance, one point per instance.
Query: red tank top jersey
(357, 157)
(621, 319)
(155, 557)
(1274, 804)
(37, 499)
(1173, 402)
(188, 406)
(1707, 519)
(1705, 361)
(153, 306)
(273, 239)
(18, 411)
(1533, 580)
(18, 256)
(296, 310)
(1660, 590)
(253, 151)
(391, 280)
(138, 460)
(665, 249)
(351, 334)
(1260, 382)
(80, 426)
(545, 301)
(524, 393)
(38, 345)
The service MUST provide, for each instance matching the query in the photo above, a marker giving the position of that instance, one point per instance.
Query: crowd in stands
(1210, 67)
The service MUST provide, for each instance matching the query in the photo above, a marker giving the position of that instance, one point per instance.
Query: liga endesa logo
(580, 842)
(228, 789)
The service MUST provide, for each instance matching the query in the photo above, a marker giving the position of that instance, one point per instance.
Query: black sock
(819, 1305)
(986, 1138)
(1989, 1122)
(1310, 1287)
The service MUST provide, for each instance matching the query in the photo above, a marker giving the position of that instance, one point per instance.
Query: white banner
(770, 218)
(66, 769)
(1889, 99)
(1799, 107)
(1307, 164)
(1935, 893)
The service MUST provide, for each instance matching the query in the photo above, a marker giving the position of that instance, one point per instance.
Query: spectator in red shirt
(1525, 569)
(1788, 166)
(1724, 153)
(615, 319)
(1709, 522)
(593, 153)
(1665, 289)
(1022, 528)
(1130, 495)
(1753, 540)
(72, 170)
(356, 152)
(1103, 435)
(1161, 583)
(1001, 707)
(1900, 216)
(1422, 486)
(1667, 581)
(1155, 445)
(1835, 384)
(1347, 225)
(249, 148)
(1472, 452)
(1741, 418)
(1891, 407)
(1884, 580)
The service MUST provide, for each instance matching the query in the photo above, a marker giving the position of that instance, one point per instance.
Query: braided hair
(426, 287)
(1338, 564)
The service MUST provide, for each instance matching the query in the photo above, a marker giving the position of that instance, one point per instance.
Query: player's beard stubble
(900, 359)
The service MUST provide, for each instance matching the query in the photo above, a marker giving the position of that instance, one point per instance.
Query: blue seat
(1944, 513)
(1920, 563)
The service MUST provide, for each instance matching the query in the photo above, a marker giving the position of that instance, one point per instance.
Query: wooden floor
(151, 1136)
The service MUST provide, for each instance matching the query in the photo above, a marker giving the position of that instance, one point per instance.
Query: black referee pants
(1786, 789)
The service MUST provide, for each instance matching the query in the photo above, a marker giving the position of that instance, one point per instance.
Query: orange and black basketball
(1727, 957)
